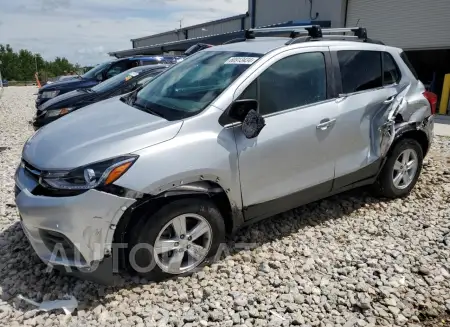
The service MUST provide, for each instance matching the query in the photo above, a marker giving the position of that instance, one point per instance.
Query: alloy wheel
(183, 243)
(405, 168)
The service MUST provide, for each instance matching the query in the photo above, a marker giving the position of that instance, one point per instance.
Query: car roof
(263, 45)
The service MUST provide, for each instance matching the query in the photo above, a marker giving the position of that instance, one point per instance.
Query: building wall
(271, 12)
(158, 39)
(193, 32)
(219, 28)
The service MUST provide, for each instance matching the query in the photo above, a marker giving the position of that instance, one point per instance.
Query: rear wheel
(401, 170)
(176, 239)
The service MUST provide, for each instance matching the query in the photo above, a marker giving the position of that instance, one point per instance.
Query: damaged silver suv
(231, 135)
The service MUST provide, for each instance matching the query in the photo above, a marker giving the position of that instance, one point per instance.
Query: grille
(51, 239)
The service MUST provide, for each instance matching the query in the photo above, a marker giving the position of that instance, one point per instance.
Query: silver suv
(231, 135)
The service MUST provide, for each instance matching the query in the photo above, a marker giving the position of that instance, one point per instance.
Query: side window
(251, 92)
(118, 68)
(408, 63)
(391, 73)
(291, 82)
(360, 70)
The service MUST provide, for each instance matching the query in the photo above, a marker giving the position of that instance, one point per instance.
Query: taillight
(432, 99)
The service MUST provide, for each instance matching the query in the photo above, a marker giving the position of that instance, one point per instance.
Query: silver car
(229, 136)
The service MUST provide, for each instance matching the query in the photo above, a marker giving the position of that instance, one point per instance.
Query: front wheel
(401, 170)
(176, 239)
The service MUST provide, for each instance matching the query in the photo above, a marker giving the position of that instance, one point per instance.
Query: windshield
(191, 85)
(97, 69)
(117, 80)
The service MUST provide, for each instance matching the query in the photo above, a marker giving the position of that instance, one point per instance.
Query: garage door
(409, 24)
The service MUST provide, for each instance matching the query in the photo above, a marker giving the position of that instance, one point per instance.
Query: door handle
(389, 100)
(325, 123)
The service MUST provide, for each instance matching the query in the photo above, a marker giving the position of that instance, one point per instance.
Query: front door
(289, 163)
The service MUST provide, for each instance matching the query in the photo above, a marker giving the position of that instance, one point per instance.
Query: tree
(21, 66)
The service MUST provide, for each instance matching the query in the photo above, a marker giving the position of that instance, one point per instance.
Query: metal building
(394, 22)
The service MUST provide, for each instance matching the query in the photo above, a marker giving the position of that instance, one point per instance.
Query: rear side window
(360, 70)
(408, 63)
(391, 73)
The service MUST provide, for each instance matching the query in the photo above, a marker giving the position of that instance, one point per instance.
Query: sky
(84, 31)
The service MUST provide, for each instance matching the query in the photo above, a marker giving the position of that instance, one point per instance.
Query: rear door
(365, 95)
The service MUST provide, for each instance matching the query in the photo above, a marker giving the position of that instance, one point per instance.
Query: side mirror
(246, 112)
(240, 108)
(253, 124)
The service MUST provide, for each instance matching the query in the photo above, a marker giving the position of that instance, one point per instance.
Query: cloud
(84, 31)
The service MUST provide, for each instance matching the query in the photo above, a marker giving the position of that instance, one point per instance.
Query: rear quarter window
(408, 63)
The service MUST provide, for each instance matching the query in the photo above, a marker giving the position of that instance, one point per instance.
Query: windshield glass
(117, 80)
(97, 69)
(191, 85)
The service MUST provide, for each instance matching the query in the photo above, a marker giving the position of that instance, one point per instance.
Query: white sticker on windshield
(241, 60)
(134, 74)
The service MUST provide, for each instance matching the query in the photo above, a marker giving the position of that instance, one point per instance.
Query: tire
(385, 185)
(160, 225)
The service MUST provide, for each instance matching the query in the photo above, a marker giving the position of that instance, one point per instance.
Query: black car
(120, 84)
(97, 75)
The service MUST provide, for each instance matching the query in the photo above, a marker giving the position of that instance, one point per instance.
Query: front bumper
(71, 231)
(41, 120)
(39, 100)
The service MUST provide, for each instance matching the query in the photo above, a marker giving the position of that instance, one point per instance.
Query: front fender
(202, 151)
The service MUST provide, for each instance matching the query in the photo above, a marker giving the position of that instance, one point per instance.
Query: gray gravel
(351, 260)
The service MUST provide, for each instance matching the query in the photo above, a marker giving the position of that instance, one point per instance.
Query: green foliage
(21, 65)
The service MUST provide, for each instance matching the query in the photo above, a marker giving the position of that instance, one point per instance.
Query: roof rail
(308, 33)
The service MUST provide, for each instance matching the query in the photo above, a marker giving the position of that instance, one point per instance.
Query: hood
(71, 84)
(94, 133)
(69, 99)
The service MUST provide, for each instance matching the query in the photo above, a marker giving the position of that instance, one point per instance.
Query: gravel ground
(350, 260)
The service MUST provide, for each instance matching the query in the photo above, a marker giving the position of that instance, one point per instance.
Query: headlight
(57, 112)
(50, 94)
(89, 176)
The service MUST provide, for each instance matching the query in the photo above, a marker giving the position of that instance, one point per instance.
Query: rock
(395, 311)
(424, 270)
(390, 302)
(298, 319)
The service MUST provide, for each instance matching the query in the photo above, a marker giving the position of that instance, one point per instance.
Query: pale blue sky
(85, 30)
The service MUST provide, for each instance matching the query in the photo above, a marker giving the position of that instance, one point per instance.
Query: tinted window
(118, 80)
(291, 82)
(120, 67)
(391, 73)
(408, 63)
(96, 70)
(360, 70)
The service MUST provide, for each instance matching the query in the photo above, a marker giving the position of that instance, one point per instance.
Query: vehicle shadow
(22, 272)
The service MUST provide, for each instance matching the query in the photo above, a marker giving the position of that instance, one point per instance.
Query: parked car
(97, 75)
(229, 136)
(62, 78)
(5, 83)
(120, 84)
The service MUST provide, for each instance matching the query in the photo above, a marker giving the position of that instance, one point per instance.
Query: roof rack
(300, 34)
